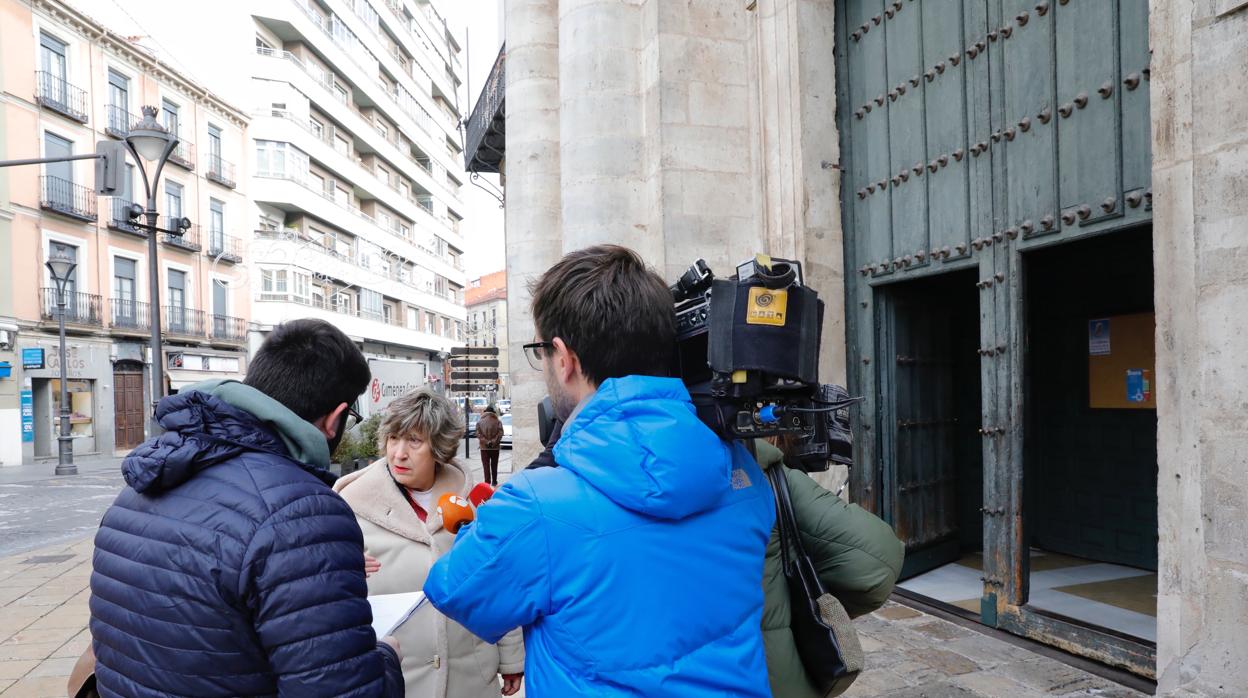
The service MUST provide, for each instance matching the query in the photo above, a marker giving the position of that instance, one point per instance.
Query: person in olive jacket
(857, 555)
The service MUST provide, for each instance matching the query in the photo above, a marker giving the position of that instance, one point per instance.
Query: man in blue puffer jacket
(229, 567)
(636, 566)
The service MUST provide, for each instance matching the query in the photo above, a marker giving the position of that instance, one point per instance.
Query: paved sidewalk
(910, 654)
(43, 618)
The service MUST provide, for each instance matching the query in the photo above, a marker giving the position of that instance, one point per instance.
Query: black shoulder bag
(825, 637)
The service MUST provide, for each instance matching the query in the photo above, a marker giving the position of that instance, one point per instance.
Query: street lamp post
(151, 142)
(61, 267)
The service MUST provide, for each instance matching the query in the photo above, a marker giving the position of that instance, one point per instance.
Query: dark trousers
(489, 463)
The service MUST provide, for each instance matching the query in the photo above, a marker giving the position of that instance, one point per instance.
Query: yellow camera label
(767, 307)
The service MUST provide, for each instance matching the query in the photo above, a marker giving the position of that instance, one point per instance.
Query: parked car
(506, 420)
(473, 418)
(504, 406)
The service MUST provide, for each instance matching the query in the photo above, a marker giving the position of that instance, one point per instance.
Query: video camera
(747, 348)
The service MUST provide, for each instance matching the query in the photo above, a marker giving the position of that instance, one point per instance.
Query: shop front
(89, 392)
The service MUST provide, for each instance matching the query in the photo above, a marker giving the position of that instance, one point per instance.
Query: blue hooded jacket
(227, 568)
(635, 568)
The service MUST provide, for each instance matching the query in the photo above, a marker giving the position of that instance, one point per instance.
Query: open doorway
(929, 371)
(1090, 454)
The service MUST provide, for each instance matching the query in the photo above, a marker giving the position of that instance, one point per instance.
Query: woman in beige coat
(395, 501)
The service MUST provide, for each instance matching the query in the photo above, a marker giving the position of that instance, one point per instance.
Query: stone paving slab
(910, 654)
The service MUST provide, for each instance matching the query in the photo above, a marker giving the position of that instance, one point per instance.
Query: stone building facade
(66, 82)
(712, 129)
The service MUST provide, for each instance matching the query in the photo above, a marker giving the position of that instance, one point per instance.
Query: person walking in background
(396, 502)
(636, 566)
(489, 441)
(228, 567)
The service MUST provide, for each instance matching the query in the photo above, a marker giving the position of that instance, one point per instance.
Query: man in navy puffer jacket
(229, 567)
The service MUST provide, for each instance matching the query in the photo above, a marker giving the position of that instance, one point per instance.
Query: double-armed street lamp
(61, 266)
(149, 141)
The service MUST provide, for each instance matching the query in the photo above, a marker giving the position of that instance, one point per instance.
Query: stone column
(533, 216)
(1200, 197)
(700, 137)
(602, 126)
(799, 176)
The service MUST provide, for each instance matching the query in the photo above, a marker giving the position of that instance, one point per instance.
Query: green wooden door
(973, 131)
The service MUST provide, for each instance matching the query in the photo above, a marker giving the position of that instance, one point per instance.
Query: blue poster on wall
(32, 357)
(28, 416)
(1138, 388)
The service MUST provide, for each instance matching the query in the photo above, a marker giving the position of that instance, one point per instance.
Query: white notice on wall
(1098, 337)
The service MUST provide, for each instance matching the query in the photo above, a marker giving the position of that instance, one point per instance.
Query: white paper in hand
(392, 610)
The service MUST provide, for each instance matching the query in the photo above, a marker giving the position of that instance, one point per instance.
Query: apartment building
(486, 301)
(67, 82)
(356, 175)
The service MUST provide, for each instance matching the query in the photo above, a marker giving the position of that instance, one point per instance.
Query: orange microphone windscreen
(455, 511)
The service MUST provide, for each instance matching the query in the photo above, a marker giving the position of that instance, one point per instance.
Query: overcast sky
(163, 28)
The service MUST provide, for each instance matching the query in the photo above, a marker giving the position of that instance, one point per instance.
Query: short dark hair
(611, 309)
(309, 366)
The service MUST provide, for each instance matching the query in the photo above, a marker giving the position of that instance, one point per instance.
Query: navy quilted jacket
(228, 569)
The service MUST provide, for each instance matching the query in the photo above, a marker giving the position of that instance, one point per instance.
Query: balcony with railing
(486, 138)
(129, 316)
(393, 134)
(183, 155)
(358, 53)
(118, 120)
(59, 95)
(221, 171)
(184, 322)
(119, 218)
(66, 198)
(80, 308)
(228, 329)
(224, 248)
(188, 240)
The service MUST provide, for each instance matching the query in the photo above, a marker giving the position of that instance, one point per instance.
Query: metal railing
(120, 218)
(221, 171)
(229, 329)
(80, 308)
(183, 154)
(482, 123)
(184, 321)
(188, 240)
(118, 120)
(66, 198)
(129, 314)
(226, 248)
(55, 93)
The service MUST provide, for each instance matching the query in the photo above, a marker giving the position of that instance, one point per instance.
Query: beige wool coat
(440, 658)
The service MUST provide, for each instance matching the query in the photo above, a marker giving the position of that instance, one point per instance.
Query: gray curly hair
(425, 414)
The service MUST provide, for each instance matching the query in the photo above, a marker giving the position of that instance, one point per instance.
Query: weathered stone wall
(685, 130)
(1200, 198)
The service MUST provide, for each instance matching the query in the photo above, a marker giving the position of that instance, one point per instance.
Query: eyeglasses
(536, 353)
(353, 419)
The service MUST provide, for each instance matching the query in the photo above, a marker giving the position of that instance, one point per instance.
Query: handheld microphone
(455, 511)
(480, 493)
